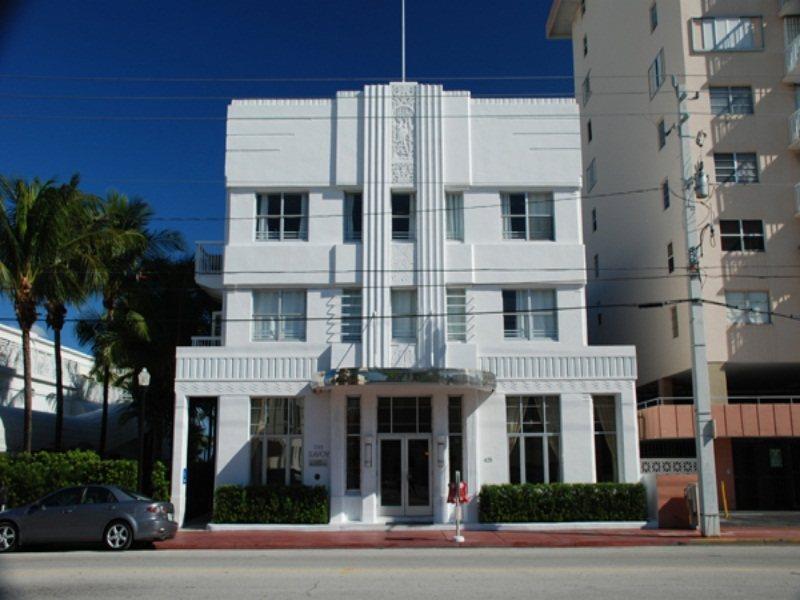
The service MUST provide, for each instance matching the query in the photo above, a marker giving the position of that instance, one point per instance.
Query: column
(628, 433)
(233, 441)
(471, 443)
(577, 438)
(180, 441)
(338, 408)
(369, 457)
(440, 458)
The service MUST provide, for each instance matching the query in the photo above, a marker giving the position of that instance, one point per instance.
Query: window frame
(697, 23)
(454, 216)
(662, 134)
(673, 314)
(455, 435)
(736, 169)
(396, 317)
(666, 193)
(293, 408)
(410, 217)
(731, 100)
(262, 233)
(529, 215)
(744, 315)
(351, 328)
(352, 445)
(350, 235)
(525, 329)
(586, 88)
(280, 317)
(741, 236)
(670, 258)
(656, 74)
(599, 433)
(653, 16)
(594, 219)
(591, 175)
(517, 403)
(456, 321)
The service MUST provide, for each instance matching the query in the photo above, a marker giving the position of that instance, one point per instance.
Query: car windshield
(134, 495)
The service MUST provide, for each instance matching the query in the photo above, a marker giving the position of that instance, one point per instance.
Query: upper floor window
(279, 315)
(583, 7)
(589, 131)
(353, 217)
(402, 216)
(653, 17)
(528, 216)
(670, 258)
(738, 236)
(587, 88)
(656, 74)
(585, 45)
(737, 167)
(673, 314)
(727, 34)
(662, 134)
(726, 100)
(456, 315)
(530, 314)
(594, 219)
(351, 315)
(282, 216)
(455, 216)
(748, 308)
(591, 175)
(665, 194)
(404, 315)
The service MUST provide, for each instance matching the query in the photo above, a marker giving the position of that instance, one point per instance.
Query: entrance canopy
(462, 378)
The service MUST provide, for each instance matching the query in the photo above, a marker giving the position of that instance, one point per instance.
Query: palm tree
(71, 281)
(121, 253)
(31, 240)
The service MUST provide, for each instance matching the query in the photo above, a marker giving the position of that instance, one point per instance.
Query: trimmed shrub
(28, 477)
(271, 504)
(562, 502)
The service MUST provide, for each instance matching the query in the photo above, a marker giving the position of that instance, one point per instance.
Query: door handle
(67, 510)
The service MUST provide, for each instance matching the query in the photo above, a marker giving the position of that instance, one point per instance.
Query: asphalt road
(666, 572)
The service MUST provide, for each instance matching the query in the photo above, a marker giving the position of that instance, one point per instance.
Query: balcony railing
(206, 341)
(208, 258)
(673, 400)
(793, 60)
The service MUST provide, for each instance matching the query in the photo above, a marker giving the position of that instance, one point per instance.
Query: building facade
(739, 61)
(402, 292)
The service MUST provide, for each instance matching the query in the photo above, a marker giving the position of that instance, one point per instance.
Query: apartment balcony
(787, 8)
(751, 416)
(208, 266)
(793, 61)
(206, 341)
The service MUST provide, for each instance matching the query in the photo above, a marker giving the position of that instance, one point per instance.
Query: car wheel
(118, 536)
(9, 536)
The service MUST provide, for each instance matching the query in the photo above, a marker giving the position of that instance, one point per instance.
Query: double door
(405, 475)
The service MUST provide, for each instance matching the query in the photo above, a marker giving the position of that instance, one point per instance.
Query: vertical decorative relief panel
(404, 98)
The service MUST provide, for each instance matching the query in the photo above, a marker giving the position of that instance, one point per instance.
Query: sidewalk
(409, 538)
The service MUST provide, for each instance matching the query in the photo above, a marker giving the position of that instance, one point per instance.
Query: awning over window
(469, 378)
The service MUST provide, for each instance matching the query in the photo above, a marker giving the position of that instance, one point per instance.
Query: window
(653, 17)
(736, 168)
(748, 308)
(596, 266)
(353, 217)
(456, 315)
(589, 131)
(67, 497)
(673, 313)
(738, 236)
(656, 74)
(585, 45)
(599, 315)
(528, 216)
(98, 495)
(455, 216)
(587, 88)
(665, 193)
(404, 415)
(594, 219)
(404, 320)
(353, 445)
(282, 217)
(583, 7)
(727, 34)
(670, 258)
(402, 216)
(276, 441)
(591, 175)
(530, 315)
(455, 429)
(662, 134)
(279, 315)
(534, 431)
(351, 315)
(731, 100)
(606, 454)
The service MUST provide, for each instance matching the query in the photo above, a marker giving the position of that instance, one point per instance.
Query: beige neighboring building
(740, 60)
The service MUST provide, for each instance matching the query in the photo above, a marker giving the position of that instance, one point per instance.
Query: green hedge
(273, 504)
(562, 502)
(28, 477)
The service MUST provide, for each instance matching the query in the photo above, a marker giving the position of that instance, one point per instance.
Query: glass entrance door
(405, 475)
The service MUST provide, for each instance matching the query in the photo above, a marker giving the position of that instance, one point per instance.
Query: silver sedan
(89, 513)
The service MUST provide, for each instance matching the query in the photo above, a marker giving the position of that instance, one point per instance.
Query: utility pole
(704, 425)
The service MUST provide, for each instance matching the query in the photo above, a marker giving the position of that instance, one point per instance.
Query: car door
(99, 506)
(52, 519)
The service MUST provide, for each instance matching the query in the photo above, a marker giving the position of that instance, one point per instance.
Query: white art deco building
(402, 289)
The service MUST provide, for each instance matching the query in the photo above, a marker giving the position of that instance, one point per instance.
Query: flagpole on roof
(403, 36)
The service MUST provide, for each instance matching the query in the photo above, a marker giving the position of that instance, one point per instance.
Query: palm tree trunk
(27, 428)
(104, 420)
(56, 314)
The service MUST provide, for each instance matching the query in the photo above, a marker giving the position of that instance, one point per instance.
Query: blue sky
(63, 108)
